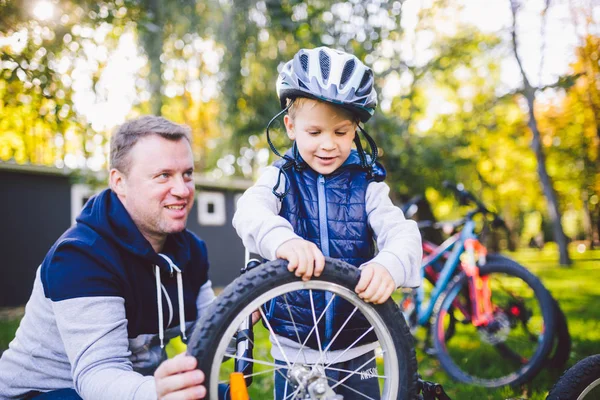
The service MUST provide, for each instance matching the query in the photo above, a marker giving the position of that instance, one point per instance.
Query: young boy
(327, 199)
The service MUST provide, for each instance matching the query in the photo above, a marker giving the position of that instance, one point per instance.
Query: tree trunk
(536, 145)
(153, 43)
(588, 221)
(546, 181)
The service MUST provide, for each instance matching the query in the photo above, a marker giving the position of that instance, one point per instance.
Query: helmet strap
(271, 145)
(372, 145)
(361, 151)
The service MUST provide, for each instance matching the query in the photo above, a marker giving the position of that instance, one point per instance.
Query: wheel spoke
(274, 337)
(293, 394)
(268, 371)
(348, 371)
(353, 372)
(254, 360)
(337, 334)
(313, 328)
(295, 327)
(352, 389)
(312, 309)
(350, 347)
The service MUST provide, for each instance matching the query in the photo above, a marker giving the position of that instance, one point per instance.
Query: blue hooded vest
(329, 211)
(105, 254)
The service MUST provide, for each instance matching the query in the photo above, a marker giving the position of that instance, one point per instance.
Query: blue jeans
(62, 394)
(71, 394)
(364, 383)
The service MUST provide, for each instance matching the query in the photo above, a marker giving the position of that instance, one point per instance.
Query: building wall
(35, 211)
(36, 208)
(225, 249)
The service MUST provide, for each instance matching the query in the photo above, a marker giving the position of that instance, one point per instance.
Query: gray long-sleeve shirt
(82, 343)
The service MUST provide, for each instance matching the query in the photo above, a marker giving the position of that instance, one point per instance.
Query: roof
(201, 180)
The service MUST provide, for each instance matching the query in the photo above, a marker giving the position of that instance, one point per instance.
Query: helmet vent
(302, 85)
(304, 62)
(325, 64)
(366, 80)
(347, 72)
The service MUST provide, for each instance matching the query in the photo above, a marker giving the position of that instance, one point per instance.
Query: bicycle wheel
(394, 353)
(562, 339)
(581, 381)
(509, 350)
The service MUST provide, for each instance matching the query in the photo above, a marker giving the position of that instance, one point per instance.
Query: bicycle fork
(479, 287)
(244, 338)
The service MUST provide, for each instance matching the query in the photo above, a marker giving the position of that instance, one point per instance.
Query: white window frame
(78, 193)
(219, 215)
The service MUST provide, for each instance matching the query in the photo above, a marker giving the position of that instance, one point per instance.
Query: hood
(105, 214)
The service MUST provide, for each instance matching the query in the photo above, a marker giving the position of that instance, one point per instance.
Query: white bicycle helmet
(329, 75)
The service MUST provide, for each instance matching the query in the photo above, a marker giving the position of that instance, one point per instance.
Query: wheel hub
(312, 383)
(496, 331)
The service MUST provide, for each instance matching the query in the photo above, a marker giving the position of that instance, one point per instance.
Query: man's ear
(289, 127)
(117, 182)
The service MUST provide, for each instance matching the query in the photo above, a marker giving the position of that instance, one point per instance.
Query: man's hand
(376, 285)
(303, 256)
(178, 378)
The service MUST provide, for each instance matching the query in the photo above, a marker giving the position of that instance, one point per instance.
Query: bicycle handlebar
(465, 197)
(444, 225)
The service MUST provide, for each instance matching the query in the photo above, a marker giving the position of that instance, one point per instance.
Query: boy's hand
(303, 256)
(376, 285)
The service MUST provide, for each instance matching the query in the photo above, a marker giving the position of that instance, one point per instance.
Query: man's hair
(128, 134)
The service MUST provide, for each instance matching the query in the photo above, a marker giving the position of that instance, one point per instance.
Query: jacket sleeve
(93, 330)
(398, 239)
(257, 219)
(206, 296)
(94, 333)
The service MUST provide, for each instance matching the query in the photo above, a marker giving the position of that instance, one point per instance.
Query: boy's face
(323, 133)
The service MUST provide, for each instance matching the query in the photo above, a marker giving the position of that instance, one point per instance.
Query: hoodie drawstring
(161, 329)
(159, 289)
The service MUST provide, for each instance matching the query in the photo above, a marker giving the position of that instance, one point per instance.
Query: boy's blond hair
(301, 102)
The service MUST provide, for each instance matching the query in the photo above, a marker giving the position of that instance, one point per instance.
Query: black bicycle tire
(209, 329)
(576, 379)
(537, 361)
(562, 338)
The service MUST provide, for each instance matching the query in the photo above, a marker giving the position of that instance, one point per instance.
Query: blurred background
(502, 95)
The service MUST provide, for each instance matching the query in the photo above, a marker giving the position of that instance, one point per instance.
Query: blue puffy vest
(329, 211)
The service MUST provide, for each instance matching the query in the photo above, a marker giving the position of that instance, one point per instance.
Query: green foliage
(440, 116)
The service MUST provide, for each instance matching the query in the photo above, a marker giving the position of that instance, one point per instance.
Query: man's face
(323, 133)
(158, 191)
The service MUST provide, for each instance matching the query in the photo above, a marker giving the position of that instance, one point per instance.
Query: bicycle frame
(455, 244)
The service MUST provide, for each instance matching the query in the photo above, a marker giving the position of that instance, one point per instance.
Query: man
(119, 284)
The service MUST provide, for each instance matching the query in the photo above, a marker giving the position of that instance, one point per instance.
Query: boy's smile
(323, 132)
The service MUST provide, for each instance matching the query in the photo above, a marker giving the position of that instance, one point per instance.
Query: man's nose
(180, 187)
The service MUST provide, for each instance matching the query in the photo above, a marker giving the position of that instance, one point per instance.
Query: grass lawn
(577, 289)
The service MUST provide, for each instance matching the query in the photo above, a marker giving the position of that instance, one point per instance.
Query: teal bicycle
(490, 320)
